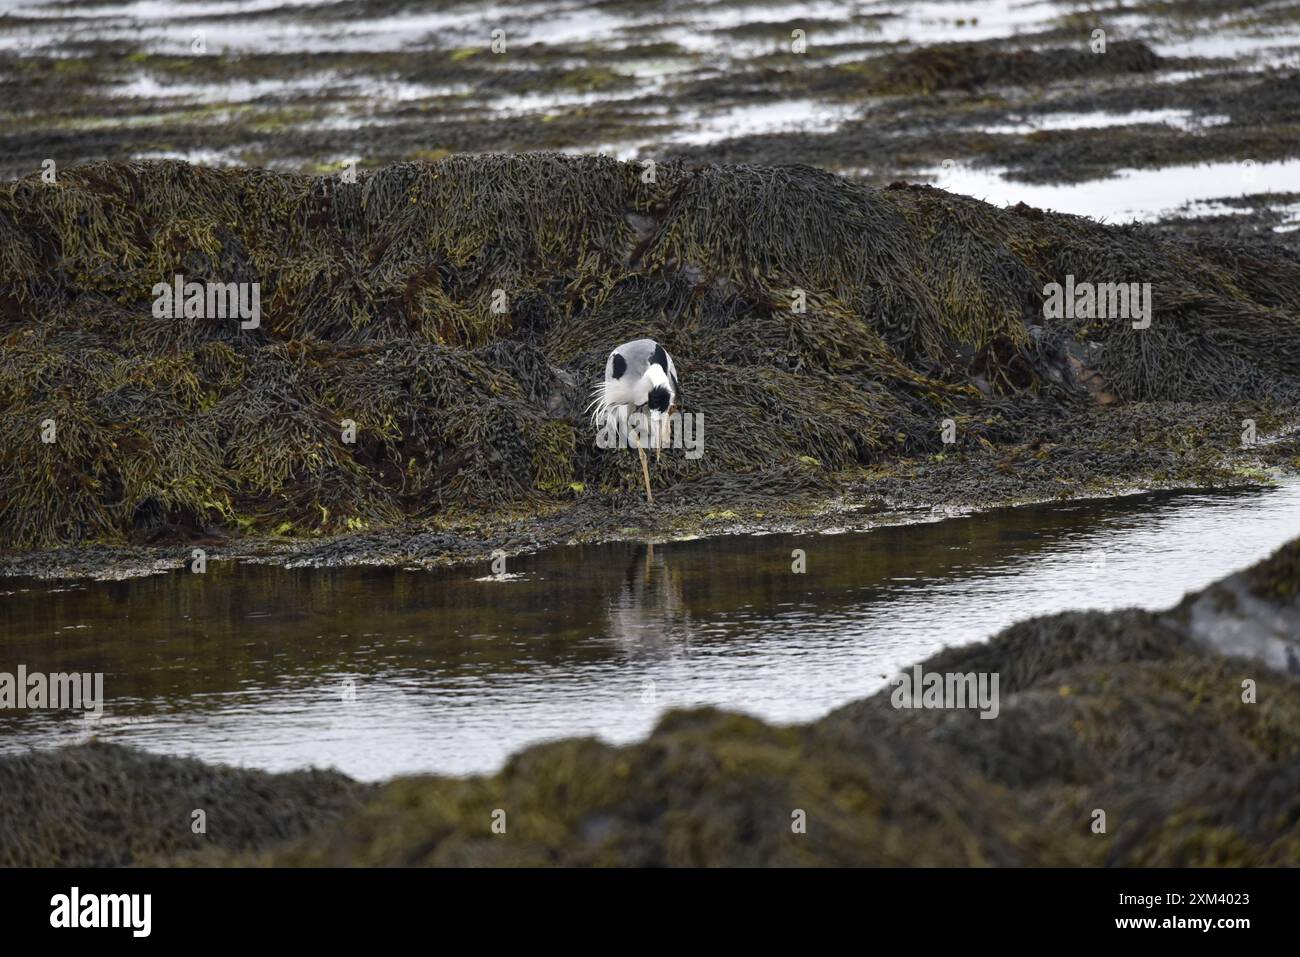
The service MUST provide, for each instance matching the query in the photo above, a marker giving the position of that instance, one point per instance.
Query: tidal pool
(1130, 195)
(381, 672)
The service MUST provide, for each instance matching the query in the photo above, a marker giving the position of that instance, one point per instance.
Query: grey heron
(639, 377)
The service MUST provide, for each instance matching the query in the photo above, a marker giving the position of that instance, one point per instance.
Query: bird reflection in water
(648, 612)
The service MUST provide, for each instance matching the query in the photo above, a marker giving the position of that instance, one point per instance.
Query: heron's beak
(658, 426)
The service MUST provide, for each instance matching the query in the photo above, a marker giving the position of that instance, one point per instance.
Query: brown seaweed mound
(458, 311)
(101, 805)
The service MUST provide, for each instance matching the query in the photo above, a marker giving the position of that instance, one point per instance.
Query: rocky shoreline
(850, 349)
(908, 492)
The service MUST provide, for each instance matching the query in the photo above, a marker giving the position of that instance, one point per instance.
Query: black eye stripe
(619, 366)
(659, 399)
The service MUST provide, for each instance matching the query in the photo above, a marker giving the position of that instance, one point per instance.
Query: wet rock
(1253, 614)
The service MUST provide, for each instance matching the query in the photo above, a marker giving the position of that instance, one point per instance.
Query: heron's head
(660, 402)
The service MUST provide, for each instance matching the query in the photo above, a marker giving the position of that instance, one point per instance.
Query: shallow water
(1130, 195)
(380, 672)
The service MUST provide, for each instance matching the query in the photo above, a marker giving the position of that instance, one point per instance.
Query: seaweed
(124, 818)
(454, 312)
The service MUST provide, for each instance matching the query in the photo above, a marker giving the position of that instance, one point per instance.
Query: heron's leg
(645, 473)
(645, 469)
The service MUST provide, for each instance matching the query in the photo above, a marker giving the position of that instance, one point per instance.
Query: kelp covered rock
(456, 312)
(100, 805)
